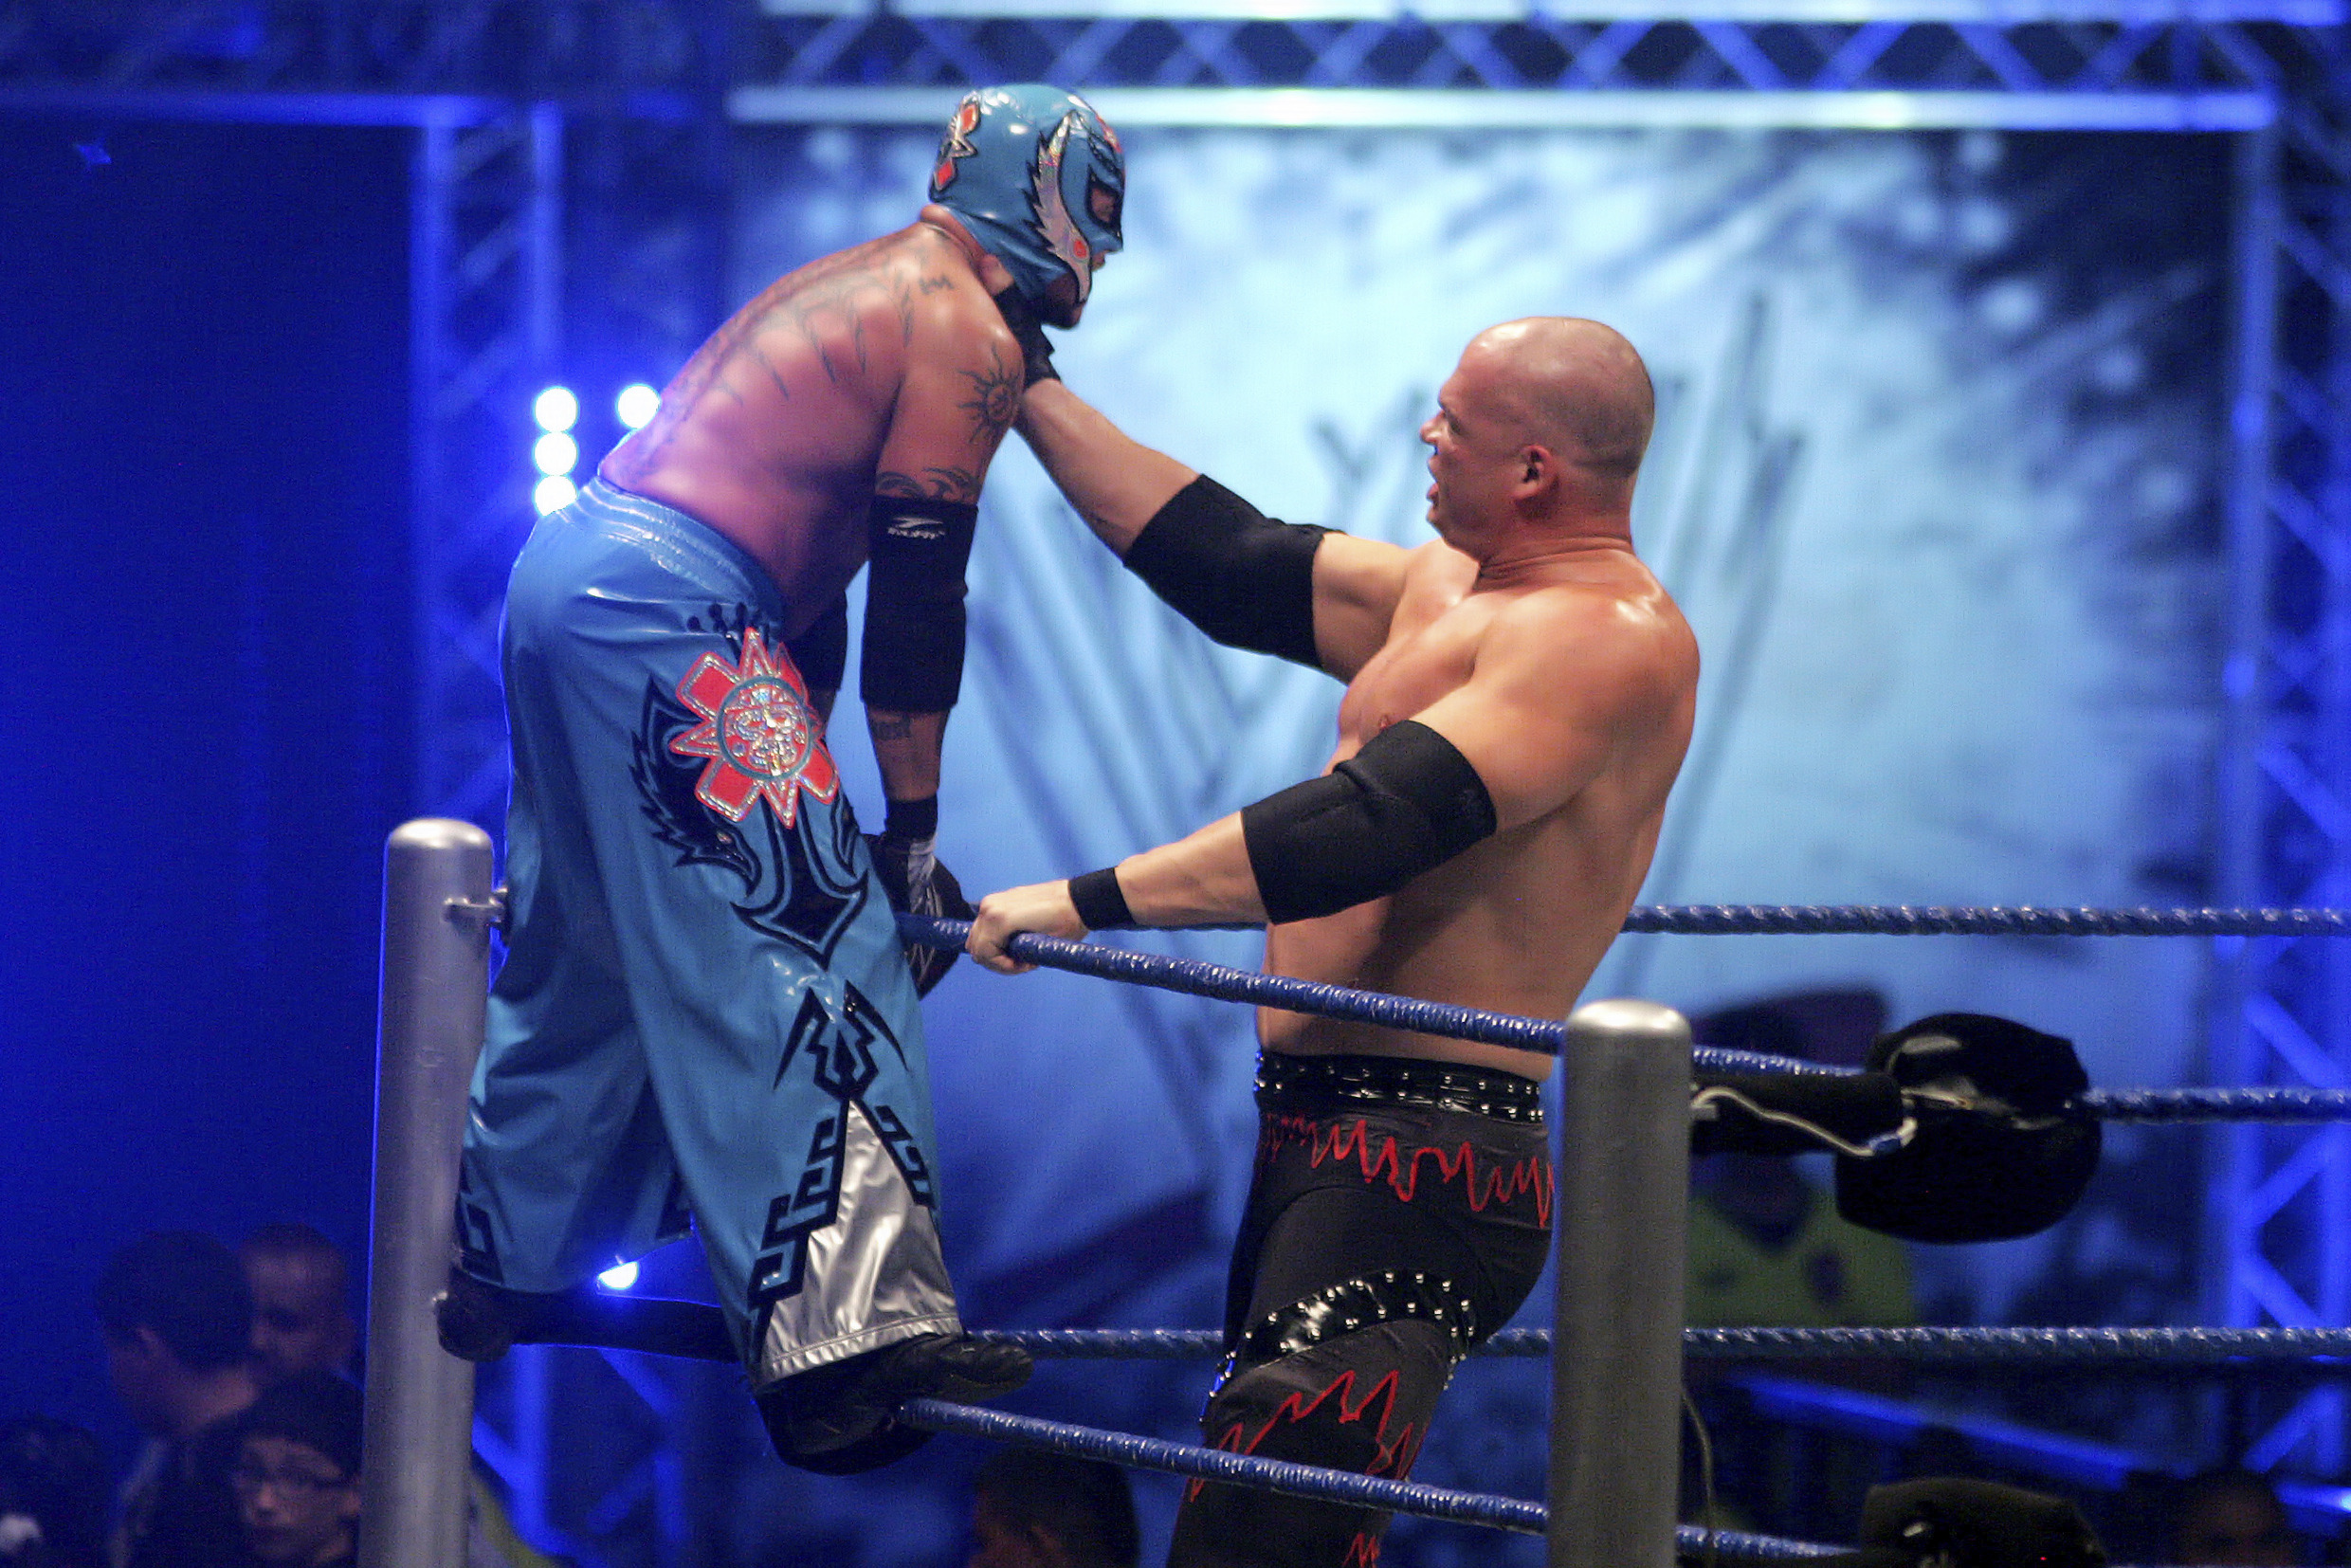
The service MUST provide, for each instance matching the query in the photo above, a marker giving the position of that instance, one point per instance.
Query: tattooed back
(883, 369)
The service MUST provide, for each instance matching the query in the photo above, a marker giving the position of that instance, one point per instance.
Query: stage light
(619, 1277)
(555, 408)
(554, 491)
(637, 405)
(554, 453)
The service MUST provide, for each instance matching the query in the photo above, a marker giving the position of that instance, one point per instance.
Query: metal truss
(1535, 54)
(598, 1451)
(2279, 1205)
(352, 59)
(486, 256)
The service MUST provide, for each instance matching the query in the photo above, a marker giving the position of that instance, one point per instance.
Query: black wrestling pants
(1399, 1212)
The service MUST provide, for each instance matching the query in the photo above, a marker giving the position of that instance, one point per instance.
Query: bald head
(1573, 386)
(301, 1301)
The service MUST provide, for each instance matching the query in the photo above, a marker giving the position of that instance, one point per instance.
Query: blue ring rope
(1970, 1346)
(1311, 1481)
(1549, 1035)
(1902, 919)
(1276, 1475)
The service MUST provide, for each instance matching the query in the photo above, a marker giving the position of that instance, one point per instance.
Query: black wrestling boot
(481, 1323)
(477, 1321)
(837, 1419)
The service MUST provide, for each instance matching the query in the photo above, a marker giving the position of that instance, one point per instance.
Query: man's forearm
(906, 748)
(1203, 879)
(1116, 484)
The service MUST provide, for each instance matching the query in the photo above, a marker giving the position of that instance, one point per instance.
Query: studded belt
(1400, 1081)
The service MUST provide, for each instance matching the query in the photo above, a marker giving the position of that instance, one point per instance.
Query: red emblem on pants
(759, 732)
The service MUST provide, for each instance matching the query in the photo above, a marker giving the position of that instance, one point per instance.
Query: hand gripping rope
(1197, 979)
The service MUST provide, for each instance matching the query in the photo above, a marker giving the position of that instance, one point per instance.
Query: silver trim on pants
(873, 1277)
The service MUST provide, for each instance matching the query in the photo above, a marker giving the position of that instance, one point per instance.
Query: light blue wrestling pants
(704, 1010)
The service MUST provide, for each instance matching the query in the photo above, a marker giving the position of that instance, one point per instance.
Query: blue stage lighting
(619, 1277)
(554, 491)
(555, 408)
(637, 405)
(554, 453)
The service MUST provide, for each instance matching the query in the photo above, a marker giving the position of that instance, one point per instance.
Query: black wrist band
(1099, 903)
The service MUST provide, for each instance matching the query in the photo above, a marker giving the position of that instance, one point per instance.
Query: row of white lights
(556, 451)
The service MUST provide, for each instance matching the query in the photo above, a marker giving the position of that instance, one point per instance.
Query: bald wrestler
(1520, 693)
(705, 1013)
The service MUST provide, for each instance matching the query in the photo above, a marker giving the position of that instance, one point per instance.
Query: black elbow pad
(911, 659)
(1245, 578)
(1407, 802)
(822, 652)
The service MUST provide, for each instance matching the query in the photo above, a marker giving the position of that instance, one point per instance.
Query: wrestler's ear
(1539, 470)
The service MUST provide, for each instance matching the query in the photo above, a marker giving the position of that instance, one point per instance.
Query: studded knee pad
(1347, 1380)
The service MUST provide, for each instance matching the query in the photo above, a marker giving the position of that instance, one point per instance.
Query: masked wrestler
(705, 1012)
(1520, 693)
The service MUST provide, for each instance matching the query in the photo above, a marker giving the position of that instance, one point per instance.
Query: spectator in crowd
(52, 1495)
(301, 1301)
(1046, 1510)
(2232, 1516)
(297, 1476)
(1767, 1246)
(177, 1318)
(303, 1323)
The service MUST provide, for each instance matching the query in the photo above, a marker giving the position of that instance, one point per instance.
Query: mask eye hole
(1102, 203)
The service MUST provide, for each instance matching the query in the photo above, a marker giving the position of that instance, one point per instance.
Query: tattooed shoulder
(996, 397)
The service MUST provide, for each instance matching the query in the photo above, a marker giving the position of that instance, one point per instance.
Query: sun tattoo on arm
(994, 401)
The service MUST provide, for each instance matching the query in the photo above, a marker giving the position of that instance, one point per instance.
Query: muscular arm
(1534, 740)
(1118, 486)
(1114, 481)
(956, 400)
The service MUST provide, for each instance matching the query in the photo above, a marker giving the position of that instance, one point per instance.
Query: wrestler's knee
(1359, 1402)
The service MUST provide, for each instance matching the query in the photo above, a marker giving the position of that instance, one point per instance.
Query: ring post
(437, 913)
(1623, 1223)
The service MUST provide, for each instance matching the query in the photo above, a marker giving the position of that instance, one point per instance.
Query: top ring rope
(1549, 1035)
(1225, 984)
(1902, 919)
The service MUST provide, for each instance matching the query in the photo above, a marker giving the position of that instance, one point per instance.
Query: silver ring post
(419, 1429)
(1623, 1226)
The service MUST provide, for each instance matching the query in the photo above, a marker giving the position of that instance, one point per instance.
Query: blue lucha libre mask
(1038, 178)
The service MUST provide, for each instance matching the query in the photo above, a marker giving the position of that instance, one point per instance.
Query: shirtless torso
(883, 369)
(1518, 923)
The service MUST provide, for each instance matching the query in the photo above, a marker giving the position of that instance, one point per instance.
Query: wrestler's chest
(1420, 665)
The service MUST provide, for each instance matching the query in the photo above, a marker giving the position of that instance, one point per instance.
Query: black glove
(1999, 1148)
(905, 858)
(1971, 1525)
(1035, 348)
